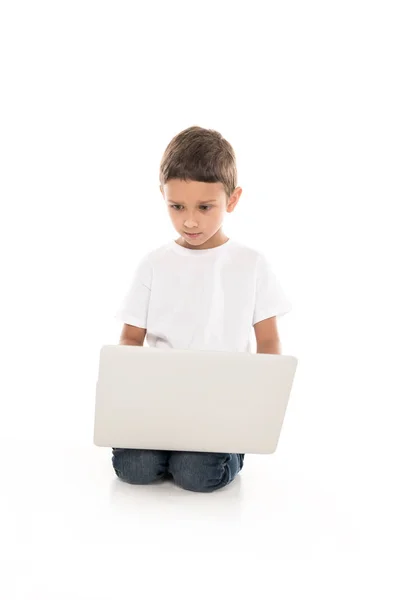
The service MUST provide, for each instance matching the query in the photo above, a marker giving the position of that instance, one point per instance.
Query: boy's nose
(189, 223)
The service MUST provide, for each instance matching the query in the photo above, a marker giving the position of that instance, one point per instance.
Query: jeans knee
(203, 472)
(139, 466)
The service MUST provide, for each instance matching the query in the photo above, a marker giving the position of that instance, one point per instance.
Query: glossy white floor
(318, 516)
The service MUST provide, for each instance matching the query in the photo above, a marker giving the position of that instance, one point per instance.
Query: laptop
(190, 400)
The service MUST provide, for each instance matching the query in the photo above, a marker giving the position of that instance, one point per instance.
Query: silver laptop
(204, 401)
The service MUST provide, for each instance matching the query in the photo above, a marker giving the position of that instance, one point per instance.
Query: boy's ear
(161, 190)
(234, 199)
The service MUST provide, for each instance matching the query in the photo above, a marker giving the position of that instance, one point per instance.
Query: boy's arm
(267, 336)
(132, 336)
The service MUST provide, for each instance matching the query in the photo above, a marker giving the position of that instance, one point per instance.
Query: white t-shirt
(202, 299)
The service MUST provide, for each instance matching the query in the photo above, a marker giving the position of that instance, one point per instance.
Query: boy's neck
(216, 240)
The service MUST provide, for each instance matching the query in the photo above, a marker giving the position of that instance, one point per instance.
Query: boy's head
(198, 182)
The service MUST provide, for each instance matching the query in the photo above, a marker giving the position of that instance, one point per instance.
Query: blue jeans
(194, 471)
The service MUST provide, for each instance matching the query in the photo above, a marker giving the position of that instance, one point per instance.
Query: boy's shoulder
(250, 252)
(158, 252)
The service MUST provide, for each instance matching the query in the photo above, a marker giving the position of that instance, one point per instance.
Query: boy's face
(196, 207)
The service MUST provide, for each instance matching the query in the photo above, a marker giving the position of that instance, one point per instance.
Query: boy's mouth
(192, 235)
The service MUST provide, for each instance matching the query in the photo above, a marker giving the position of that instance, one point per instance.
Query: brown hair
(198, 154)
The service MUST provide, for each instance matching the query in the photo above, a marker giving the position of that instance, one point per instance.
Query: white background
(308, 95)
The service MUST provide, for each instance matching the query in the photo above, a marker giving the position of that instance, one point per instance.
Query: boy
(202, 291)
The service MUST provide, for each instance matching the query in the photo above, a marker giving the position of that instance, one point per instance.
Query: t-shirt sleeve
(134, 307)
(271, 300)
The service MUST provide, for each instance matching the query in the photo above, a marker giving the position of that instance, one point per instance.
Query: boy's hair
(198, 154)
